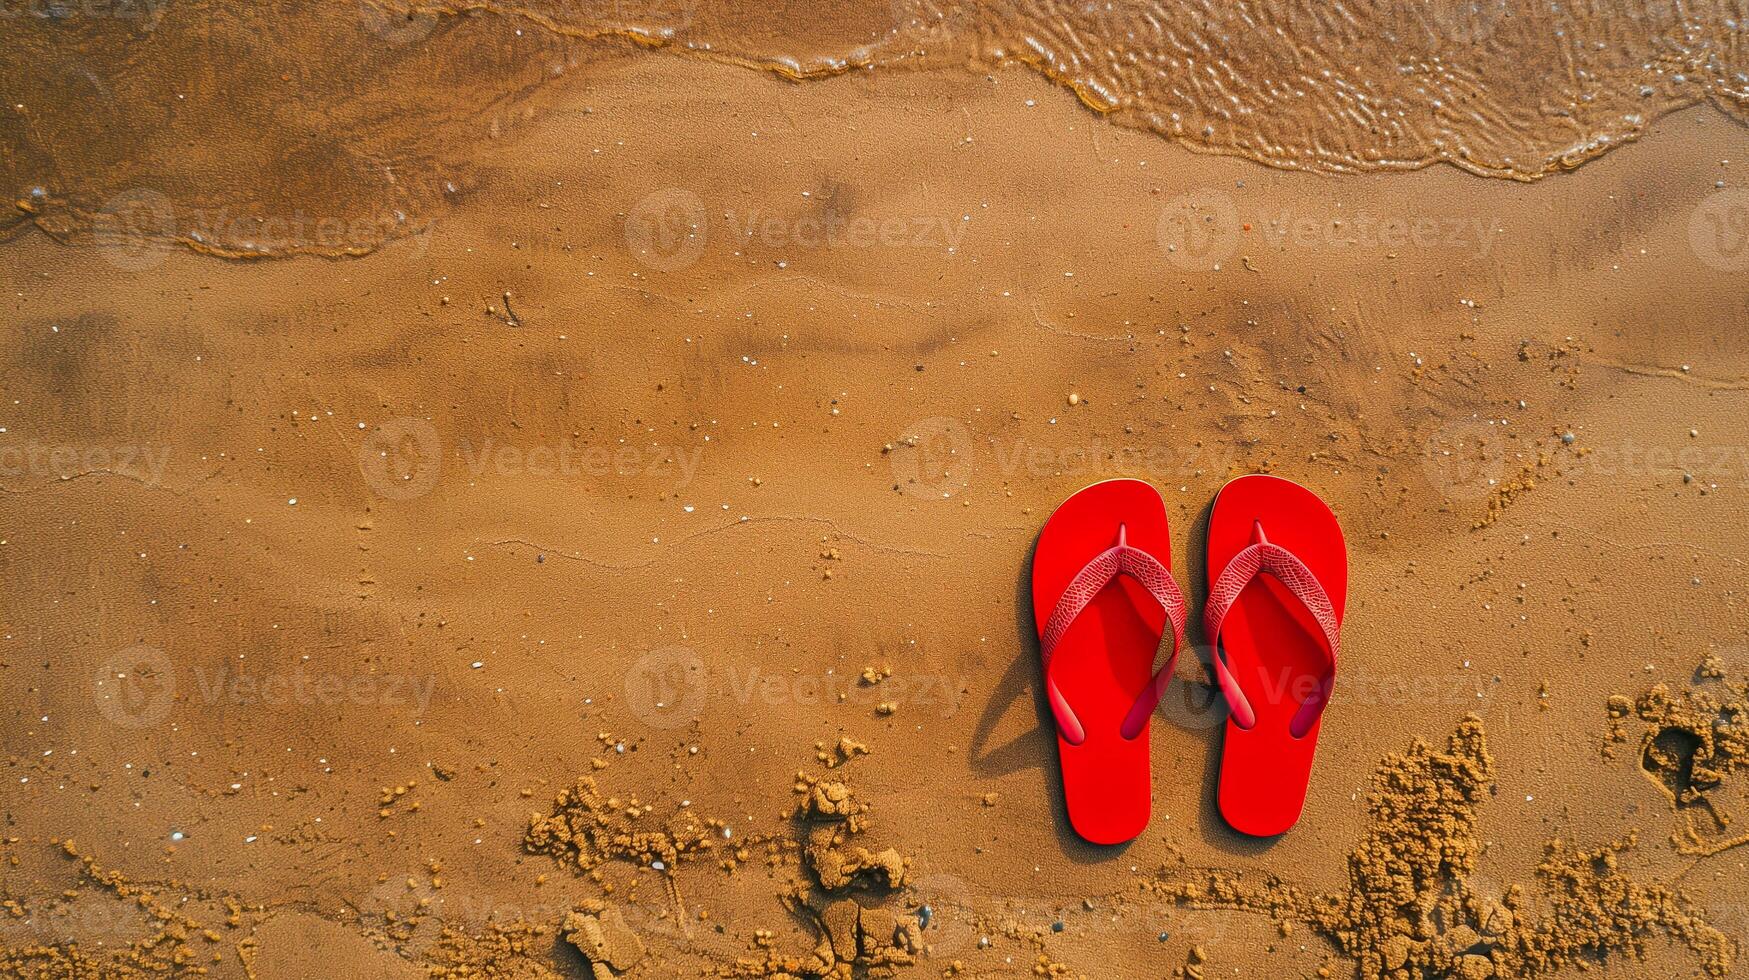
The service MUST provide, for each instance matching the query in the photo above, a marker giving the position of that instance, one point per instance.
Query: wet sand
(397, 612)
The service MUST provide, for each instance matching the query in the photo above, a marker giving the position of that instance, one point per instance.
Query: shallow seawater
(330, 128)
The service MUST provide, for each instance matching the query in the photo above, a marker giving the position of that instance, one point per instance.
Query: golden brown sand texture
(547, 491)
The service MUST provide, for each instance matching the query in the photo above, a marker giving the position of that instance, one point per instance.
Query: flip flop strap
(1265, 557)
(1120, 559)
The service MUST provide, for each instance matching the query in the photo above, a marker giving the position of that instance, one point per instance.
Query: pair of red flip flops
(1103, 595)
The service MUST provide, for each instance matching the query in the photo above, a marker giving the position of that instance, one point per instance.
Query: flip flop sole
(1273, 648)
(1106, 659)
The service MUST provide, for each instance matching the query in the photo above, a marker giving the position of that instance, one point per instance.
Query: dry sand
(620, 571)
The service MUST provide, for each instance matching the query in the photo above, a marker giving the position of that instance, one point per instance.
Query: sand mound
(1411, 910)
(852, 937)
(512, 951)
(168, 929)
(586, 828)
(831, 817)
(837, 889)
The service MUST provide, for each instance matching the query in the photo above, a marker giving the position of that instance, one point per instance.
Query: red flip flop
(1102, 593)
(1279, 573)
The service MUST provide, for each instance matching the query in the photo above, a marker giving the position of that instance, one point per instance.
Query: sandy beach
(533, 496)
